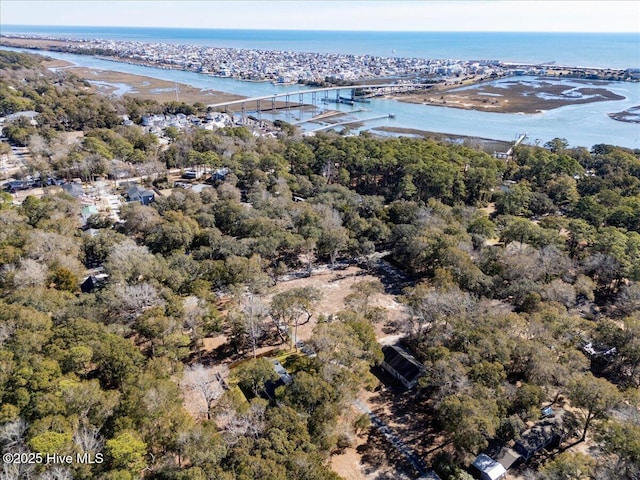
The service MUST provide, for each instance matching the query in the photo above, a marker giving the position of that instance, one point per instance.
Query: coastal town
(290, 67)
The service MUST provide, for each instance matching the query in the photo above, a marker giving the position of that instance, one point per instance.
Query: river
(581, 125)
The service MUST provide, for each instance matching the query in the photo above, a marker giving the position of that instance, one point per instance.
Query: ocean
(582, 125)
(608, 50)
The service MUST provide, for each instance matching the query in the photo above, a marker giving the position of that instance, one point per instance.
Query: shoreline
(108, 82)
(440, 96)
(502, 130)
(471, 92)
(228, 61)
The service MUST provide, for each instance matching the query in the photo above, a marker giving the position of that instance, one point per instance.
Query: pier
(327, 114)
(509, 152)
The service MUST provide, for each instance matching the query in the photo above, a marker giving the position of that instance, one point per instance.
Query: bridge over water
(365, 91)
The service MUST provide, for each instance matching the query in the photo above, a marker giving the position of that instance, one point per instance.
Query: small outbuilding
(489, 469)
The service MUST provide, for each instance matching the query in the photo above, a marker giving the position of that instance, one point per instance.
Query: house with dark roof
(430, 475)
(93, 282)
(139, 194)
(547, 433)
(73, 189)
(504, 455)
(285, 378)
(401, 365)
(219, 174)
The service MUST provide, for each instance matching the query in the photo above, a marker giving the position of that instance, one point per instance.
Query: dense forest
(512, 267)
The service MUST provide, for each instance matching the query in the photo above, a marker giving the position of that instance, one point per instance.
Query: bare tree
(254, 314)
(561, 292)
(205, 381)
(129, 301)
(16, 471)
(88, 439)
(12, 435)
(56, 473)
(129, 262)
(236, 425)
(429, 306)
(292, 308)
(30, 273)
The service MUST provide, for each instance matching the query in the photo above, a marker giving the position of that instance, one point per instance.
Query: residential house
(502, 454)
(284, 379)
(547, 433)
(401, 365)
(139, 194)
(93, 282)
(87, 211)
(73, 189)
(219, 174)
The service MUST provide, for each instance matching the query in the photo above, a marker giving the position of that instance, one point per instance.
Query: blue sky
(416, 15)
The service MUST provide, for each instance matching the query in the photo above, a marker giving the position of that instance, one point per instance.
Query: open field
(371, 457)
(514, 95)
(334, 286)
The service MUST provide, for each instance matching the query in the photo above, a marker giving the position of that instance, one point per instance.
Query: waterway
(581, 125)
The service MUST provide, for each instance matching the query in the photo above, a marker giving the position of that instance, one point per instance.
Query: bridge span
(386, 88)
(390, 86)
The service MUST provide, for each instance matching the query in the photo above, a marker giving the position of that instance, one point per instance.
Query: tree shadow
(408, 413)
(378, 454)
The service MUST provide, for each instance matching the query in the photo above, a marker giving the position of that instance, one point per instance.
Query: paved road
(383, 428)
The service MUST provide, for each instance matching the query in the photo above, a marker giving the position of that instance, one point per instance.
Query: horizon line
(318, 29)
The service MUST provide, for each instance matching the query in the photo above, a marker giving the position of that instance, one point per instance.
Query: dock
(327, 114)
(348, 122)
